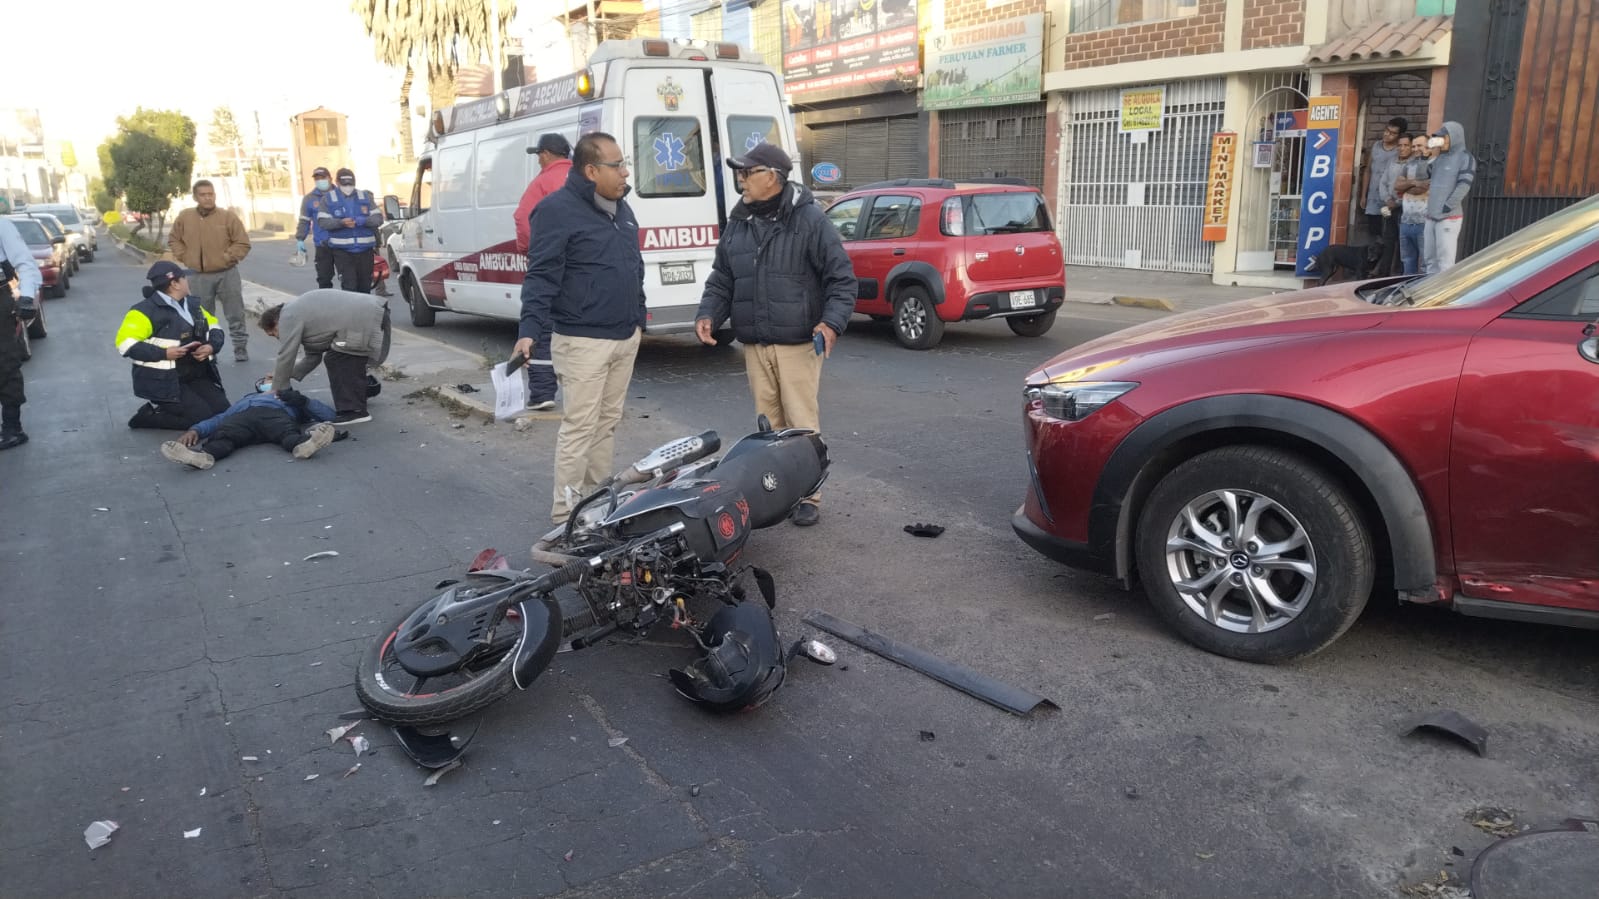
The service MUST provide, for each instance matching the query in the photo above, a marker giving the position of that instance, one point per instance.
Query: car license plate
(1023, 299)
(677, 273)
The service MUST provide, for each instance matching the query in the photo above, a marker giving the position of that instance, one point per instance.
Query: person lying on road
(287, 418)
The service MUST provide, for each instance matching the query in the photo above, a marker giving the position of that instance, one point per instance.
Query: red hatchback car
(1262, 467)
(928, 251)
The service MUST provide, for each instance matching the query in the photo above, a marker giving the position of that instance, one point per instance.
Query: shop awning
(1424, 39)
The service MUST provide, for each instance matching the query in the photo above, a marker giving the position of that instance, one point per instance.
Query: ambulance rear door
(749, 110)
(665, 134)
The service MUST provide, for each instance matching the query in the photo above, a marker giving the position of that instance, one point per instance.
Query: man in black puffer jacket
(782, 275)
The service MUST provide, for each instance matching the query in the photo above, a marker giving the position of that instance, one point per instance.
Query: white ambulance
(677, 109)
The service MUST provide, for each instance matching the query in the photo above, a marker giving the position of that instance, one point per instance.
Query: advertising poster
(847, 45)
(1321, 165)
(1219, 187)
(990, 64)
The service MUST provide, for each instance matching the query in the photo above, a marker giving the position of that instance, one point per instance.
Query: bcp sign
(1319, 179)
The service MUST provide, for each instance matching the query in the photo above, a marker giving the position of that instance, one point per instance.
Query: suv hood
(1230, 326)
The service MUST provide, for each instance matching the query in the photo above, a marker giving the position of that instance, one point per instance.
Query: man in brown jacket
(211, 243)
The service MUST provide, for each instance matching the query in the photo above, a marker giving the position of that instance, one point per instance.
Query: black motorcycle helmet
(373, 386)
(743, 664)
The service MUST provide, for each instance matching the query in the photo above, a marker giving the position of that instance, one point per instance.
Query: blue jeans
(1410, 243)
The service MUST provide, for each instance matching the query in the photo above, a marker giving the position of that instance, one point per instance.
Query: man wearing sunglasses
(782, 276)
(585, 287)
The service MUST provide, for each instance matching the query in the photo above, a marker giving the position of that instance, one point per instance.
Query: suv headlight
(1076, 400)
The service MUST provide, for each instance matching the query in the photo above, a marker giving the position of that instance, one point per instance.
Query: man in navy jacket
(292, 420)
(585, 286)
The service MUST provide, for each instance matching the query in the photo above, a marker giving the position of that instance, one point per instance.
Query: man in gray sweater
(1453, 171)
(350, 330)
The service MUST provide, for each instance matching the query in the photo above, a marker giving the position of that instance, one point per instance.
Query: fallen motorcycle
(657, 542)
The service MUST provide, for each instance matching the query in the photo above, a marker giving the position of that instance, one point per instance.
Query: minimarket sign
(1000, 62)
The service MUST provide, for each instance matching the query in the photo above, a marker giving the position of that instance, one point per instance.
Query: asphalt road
(160, 626)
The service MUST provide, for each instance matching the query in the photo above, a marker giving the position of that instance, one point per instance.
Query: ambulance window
(452, 170)
(501, 170)
(668, 160)
(745, 131)
(422, 197)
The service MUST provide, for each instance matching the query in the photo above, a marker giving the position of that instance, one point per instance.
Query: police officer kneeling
(172, 342)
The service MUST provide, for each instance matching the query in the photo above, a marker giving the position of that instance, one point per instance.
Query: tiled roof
(1383, 40)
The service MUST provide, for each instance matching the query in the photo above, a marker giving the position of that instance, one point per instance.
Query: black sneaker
(805, 515)
(351, 418)
(10, 439)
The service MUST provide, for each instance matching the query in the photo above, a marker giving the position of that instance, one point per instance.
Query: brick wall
(1273, 23)
(1188, 36)
(1405, 94)
(965, 13)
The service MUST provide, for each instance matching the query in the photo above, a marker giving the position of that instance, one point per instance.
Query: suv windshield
(1491, 270)
(32, 234)
(66, 214)
(1006, 213)
(50, 225)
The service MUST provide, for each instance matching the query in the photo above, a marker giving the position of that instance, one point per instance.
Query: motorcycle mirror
(817, 651)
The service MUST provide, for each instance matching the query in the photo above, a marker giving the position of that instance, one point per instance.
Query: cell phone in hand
(820, 341)
(192, 346)
(517, 361)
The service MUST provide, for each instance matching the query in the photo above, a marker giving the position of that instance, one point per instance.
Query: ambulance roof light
(657, 48)
(727, 51)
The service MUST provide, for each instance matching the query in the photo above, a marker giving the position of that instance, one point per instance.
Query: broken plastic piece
(435, 748)
(324, 554)
(465, 388)
(312, 776)
(489, 559)
(818, 652)
(202, 791)
(615, 742)
(101, 509)
(927, 736)
(335, 733)
(433, 778)
(250, 758)
(191, 834)
(923, 530)
(1456, 725)
(99, 833)
(568, 855)
(353, 768)
(359, 744)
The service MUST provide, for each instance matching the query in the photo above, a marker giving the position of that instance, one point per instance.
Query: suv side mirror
(391, 208)
(1588, 348)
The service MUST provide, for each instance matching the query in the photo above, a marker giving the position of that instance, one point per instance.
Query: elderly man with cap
(211, 242)
(554, 166)
(310, 207)
(782, 276)
(172, 341)
(351, 219)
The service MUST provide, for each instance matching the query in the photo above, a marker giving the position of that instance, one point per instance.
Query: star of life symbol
(752, 141)
(669, 154)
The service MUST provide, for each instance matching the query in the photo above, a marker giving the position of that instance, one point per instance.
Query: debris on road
(1438, 888)
(928, 736)
(359, 744)
(202, 791)
(997, 693)
(1501, 822)
(192, 834)
(337, 733)
(923, 530)
(465, 388)
(99, 833)
(1104, 616)
(101, 509)
(433, 778)
(250, 758)
(694, 790)
(1132, 793)
(568, 855)
(353, 768)
(324, 554)
(1207, 856)
(1456, 725)
(615, 742)
(312, 776)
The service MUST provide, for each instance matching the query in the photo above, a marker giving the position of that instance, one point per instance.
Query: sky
(278, 58)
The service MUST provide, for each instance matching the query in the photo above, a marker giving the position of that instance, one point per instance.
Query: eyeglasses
(619, 164)
(752, 170)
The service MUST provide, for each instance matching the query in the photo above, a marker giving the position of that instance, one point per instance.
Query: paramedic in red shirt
(554, 164)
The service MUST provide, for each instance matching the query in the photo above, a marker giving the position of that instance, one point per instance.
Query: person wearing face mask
(310, 208)
(782, 276)
(351, 219)
(211, 242)
(288, 418)
(172, 342)
(585, 287)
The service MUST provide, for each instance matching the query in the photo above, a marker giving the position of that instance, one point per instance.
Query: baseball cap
(320, 171)
(553, 143)
(762, 154)
(163, 273)
(346, 176)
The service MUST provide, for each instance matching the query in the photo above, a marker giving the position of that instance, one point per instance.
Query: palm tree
(438, 34)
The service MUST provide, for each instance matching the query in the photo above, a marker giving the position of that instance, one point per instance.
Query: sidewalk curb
(1156, 303)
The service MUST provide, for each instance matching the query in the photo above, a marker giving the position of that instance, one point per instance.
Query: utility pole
(594, 31)
(494, 46)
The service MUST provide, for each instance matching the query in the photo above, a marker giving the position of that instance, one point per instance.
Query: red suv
(930, 251)
(1262, 467)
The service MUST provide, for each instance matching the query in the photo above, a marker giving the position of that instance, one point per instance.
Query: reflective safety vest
(152, 326)
(358, 206)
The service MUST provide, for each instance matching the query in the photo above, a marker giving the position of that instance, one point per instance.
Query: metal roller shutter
(907, 157)
(866, 153)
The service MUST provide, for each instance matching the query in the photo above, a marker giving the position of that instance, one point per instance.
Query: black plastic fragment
(924, 530)
(436, 747)
(1456, 725)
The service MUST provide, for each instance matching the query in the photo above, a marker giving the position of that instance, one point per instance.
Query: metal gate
(870, 150)
(1138, 202)
(993, 142)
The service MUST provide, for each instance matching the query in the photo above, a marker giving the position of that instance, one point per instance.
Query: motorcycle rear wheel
(394, 694)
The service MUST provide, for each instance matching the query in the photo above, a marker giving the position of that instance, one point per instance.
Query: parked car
(75, 223)
(49, 252)
(929, 251)
(1261, 465)
(53, 227)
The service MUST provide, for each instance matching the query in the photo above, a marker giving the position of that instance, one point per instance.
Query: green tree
(149, 160)
(103, 199)
(437, 34)
(223, 134)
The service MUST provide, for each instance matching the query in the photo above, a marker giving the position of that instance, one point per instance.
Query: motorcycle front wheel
(394, 694)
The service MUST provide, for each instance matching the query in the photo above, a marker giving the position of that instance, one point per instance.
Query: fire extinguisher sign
(1320, 180)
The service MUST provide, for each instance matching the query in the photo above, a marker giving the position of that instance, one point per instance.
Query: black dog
(1357, 262)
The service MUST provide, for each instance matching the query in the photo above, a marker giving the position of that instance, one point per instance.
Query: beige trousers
(786, 380)
(593, 374)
